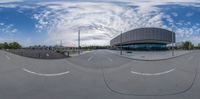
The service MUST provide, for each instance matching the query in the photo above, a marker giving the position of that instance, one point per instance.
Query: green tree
(6, 45)
(188, 45)
(198, 46)
(1, 46)
(14, 45)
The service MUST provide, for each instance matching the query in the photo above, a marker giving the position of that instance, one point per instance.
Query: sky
(47, 22)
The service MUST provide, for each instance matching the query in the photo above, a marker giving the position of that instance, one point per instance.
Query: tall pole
(173, 41)
(78, 41)
(121, 44)
(60, 43)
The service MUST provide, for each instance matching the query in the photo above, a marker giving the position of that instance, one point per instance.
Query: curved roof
(145, 35)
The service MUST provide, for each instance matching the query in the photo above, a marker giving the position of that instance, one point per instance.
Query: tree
(1, 46)
(6, 45)
(188, 45)
(198, 46)
(14, 45)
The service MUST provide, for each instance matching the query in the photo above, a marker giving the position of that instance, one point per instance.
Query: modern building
(144, 39)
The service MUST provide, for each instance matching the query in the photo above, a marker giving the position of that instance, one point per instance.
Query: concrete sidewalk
(150, 55)
(76, 54)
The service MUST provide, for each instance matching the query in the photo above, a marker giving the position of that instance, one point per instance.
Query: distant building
(179, 45)
(144, 39)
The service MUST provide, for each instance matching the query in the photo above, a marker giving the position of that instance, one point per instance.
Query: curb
(154, 59)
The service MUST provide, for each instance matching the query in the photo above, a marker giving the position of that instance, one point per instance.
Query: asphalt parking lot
(99, 75)
(38, 54)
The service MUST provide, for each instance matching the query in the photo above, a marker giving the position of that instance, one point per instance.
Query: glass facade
(149, 46)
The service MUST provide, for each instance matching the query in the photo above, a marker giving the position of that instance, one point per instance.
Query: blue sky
(47, 22)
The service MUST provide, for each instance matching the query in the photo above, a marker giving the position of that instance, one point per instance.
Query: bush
(1, 46)
(13, 45)
(188, 45)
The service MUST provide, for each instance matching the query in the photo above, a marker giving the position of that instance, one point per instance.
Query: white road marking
(7, 57)
(47, 54)
(154, 74)
(190, 58)
(109, 59)
(40, 74)
(110, 51)
(89, 59)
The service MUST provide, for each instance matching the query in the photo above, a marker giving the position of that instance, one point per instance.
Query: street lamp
(173, 41)
(78, 41)
(121, 43)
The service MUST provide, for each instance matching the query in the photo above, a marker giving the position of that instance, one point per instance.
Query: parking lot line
(91, 57)
(109, 59)
(7, 57)
(40, 74)
(154, 74)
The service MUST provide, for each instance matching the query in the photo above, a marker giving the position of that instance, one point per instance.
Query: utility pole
(121, 43)
(173, 41)
(78, 41)
(60, 43)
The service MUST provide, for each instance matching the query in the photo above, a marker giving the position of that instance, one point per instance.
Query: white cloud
(175, 14)
(6, 39)
(184, 30)
(7, 28)
(8, 5)
(149, 5)
(99, 22)
(8, 1)
(1, 24)
(189, 14)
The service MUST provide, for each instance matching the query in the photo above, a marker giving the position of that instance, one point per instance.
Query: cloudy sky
(47, 22)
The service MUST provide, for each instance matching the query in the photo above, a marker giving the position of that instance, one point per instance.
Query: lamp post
(60, 45)
(78, 41)
(121, 43)
(173, 41)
